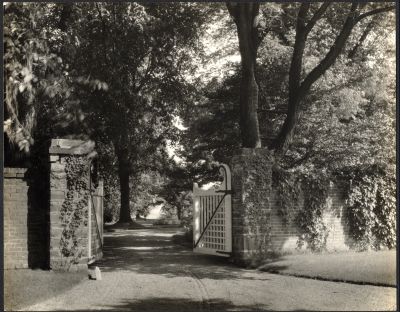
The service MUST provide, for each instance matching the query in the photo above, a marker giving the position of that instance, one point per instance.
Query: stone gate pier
(251, 186)
(70, 162)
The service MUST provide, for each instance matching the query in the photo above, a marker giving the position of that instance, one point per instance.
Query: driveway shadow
(182, 304)
(153, 250)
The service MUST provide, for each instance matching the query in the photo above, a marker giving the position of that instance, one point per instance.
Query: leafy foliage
(212, 132)
(371, 200)
(338, 126)
(288, 188)
(121, 72)
(183, 202)
(114, 72)
(310, 218)
(312, 187)
(74, 211)
(142, 60)
(34, 73)
(146, 192)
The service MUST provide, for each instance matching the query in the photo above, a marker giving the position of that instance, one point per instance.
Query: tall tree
(338, 116)
(298, 87)
(116, 71)
(251, 30)
(138, 78)
(247, 20)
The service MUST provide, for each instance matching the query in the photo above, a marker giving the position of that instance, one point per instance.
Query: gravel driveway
(144, 270)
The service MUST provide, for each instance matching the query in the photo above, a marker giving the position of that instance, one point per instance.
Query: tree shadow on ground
(182, 304)
(126, 226)
(154, 251)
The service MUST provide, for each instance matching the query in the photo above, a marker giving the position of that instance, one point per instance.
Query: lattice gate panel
(214, 236)
(212, 231)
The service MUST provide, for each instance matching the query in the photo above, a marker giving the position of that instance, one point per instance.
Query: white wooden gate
(212, 217)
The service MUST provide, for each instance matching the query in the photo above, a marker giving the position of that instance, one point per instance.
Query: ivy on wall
(371, 207)
(289, 186)
(256, 189)
(74, 210)
(310, 217)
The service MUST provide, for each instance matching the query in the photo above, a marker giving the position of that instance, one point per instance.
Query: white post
(90, 230)
(101, 187)
(227, 185)
(196, 213)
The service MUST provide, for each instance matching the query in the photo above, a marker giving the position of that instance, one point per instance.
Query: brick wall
(15, 218)
(285, 237)
(25, 223)
(33, 201)
(257, 226)
(251, 214)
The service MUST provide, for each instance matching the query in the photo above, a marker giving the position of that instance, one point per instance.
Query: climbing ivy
(371, 207)
(287, 191)
(310, 217)
(73, 211)
(256, 189)
(313, 187)
(370, 200)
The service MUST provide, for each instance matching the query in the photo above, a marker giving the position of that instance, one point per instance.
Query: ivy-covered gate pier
(75, 223)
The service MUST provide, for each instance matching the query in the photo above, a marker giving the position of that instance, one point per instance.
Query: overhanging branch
(376, 11)
(333, 53)
(317, 15)
(364, 35)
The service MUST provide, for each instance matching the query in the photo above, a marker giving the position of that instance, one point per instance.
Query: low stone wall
(257, 226)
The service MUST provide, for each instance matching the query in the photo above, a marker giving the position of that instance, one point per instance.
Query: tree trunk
(249, 125)
(123, 173)
(245, 17)
(284, 138)
(298, 90)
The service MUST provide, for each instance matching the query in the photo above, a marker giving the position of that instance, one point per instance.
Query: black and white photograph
(199, 156)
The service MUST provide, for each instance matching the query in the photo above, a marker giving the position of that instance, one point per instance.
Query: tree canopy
(340, 122)
(314, 82)
(252, 28)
